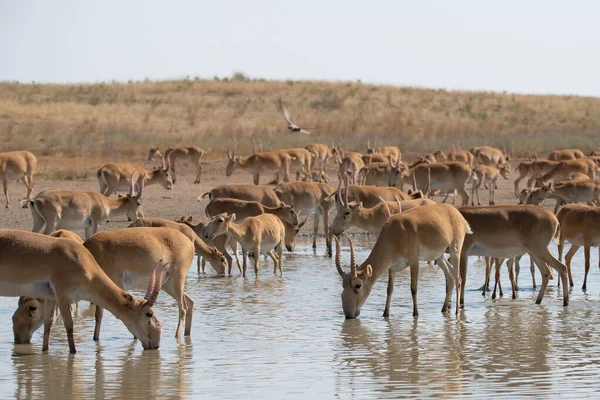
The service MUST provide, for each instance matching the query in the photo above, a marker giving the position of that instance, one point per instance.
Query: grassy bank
(118, 121)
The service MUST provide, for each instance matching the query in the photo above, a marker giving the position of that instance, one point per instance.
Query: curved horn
(131, 184)
(368, 144)
(414, 179)
(338, 197)
(152, 282)
(158, 285)
(346, 179)
(428, 182)
(338, 262)
(399, 204)
(229, 156)
(353, 273)
(385, 205)
(141, 189)
(164, 163)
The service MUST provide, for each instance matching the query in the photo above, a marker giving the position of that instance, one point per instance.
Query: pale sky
(525, 46)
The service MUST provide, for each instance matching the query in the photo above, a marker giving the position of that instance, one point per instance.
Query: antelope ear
(359, 206)
(232, 217)
(189, 219)
(120, 196)
(129, 300)
(367, 272)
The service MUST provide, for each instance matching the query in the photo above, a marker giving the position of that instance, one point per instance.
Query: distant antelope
(277, 161)
(488, 176)
(262, 233)
(16, 165)
(422, 233)
(244, 208)
(532, 168)
(350, 164)
(77, 209)
(563, 170)
(62, 272)
(192, 153)
(301, 159)
(385, 151)
(488, 155)
(128, 257)
(574, 191)
(321, 154)
(370, 196)
(113, 177)
(262, 194)
(568, 154)
(463, 156)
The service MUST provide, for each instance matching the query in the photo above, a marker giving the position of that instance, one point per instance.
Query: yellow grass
(119, 121)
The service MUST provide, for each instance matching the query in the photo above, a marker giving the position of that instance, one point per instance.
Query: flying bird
(292, 127)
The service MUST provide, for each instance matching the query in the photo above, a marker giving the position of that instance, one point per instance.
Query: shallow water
(287, 338)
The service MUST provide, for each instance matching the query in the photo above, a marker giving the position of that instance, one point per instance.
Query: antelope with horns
(278, 161)
(488, 155)
(205, 252)
(16, 165)
(262, 194)
(532, 168)
(127, 257)
(422, 233)
(463, 156)
(62, 271)
(301, 160)
(563, 170)
(191, 153)
(308, 198)
(580, 225)
(244, 209)
(262, 233)
(385, 151)
(76, 209)
(370, 196)
(488, 176)
(376, 174)
(564, 155)
(508, 231)
(350, 165)
(113, 177)
(576, 191)
(321, 154)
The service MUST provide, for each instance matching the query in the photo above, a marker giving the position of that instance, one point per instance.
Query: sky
(525, 46)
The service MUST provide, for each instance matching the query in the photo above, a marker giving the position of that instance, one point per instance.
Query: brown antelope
(127, 256)
(564, 155)
(488, 155)
(309, 197)
(16, 165)
(301, 160)
(488, 176)
(445, 176)
(321, 154)
(463, 156)
(436, 156)
(192, 153)
(578, 176)
(385, 151)
(533, 169)
(244, 209)
(112, 177)
(580, 225)
(262, 194)
(278, 161)
(351, 164)
(78, 209)
(215, 257)
(62, 271)
(261, 233)
(508, 231)
(577, 191)
(376, 174)
(422, 233)
(370, 196)
(563, 170)
(374, 158)
(595, 153)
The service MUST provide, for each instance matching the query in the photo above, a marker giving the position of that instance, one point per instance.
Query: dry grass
(119, 121)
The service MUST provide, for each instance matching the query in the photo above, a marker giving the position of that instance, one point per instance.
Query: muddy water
(287, 338)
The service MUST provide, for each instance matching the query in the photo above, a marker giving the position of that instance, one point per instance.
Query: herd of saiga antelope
(58, 268)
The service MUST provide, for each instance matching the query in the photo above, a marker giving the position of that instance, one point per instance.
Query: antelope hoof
(386, 314)
(7, 206)
(565, 303)
(539, 301)
(415, 313)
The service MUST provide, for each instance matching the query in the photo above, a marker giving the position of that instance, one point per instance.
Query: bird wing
(286, 113)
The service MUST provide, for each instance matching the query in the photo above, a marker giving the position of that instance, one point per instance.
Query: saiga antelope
(350, 165)
(262, 233)
(262, 194)
(62, 271)
(488, 176)
(243, 209)
(568, 154)
(488, 155)
(422, 233)
(127, 257)
(321, 154)
(532, 168)
(278, 161)
(76, 209)
(385, 151)
(563, 170)
(205, 252)
(192, 153)
(370, 196)
(575, 191)
(113, 177)
(16, 165)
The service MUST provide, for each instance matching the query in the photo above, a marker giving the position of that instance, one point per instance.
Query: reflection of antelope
(568, 154)
(508, 231)
(62, 271)
(78, 209)
(128, 257)
(278, 161)
(192, 153)
(422, 233)
(113, 177)
(16, 165)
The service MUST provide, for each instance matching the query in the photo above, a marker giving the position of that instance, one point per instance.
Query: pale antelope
(488, 155)
(508, 231)
(17, 165)
(113, 177)
(77, 209)
(262, 233)
(244, 208)
(128, 257)
(292, 127)
(309, 197)
(575, 191)
(564, 169)
(488, 176)
(422, 233)
(278, 161)
(568, 154)
(386, 151)
(374, 158)
(262, 194)
(215, 257)
(436, 156)
(463, 156)
(580, 225)
(444, 176)
(578, 176)
(370, 196)
(62, 271)
(533, 169)
(321, 154)
(191, 153)
(350, 165)
(375, 174)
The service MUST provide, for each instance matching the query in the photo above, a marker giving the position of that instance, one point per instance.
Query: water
(287, 338)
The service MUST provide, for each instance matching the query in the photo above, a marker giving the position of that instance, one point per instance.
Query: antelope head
(288, 214)
(396, 171)
(346, 212)
(291, 231)
(217, 260)
(162, 175)
(27, 319)
(218, 225)
(355, 289)
(133, 202)
(537, 196)
(233, 162)
(154, 152)
(440, 154)
(505, 171)
(523, 196)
